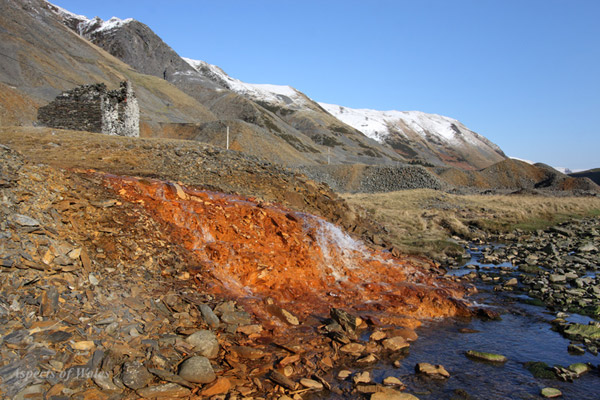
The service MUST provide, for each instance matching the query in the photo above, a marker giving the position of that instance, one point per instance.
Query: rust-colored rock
(220, 386)
(255, 250)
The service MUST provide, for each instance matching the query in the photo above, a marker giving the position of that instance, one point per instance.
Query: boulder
(197, 369)
(205, 343)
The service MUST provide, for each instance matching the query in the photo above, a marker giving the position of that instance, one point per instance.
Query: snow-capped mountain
(412, 134)
(378, 124)
(429, 131)
(347, 135)
(84, 25)
(286, 95)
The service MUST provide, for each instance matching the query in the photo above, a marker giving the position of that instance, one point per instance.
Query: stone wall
(93, 108)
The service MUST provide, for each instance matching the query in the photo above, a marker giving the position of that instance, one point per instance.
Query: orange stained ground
(254, 251)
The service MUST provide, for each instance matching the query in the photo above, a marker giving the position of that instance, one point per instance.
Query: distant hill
(515, 174)
(593, 174)
(435, 139)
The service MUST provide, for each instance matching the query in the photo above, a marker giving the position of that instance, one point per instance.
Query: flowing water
(523, 335)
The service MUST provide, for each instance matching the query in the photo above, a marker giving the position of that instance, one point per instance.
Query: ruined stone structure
(93, 108)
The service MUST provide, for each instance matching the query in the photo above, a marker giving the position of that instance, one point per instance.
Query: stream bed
(523, 334)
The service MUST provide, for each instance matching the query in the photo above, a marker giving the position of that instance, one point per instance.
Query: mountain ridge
(457, 152)
(300, 118)
(305, 136)
(276, 123)
(396, 128)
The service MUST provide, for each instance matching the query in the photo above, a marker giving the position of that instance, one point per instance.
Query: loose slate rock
(491, 357)
(24, 220)
(282, 380)
(237, 318)
(390, 394)
(170, 377)
(209, 316)
(434, 371)
(377, 336)
(352, 348)
(135, 375)
(551, 393)
(220, 386)
(345, 319)
(311, 384)
(396, 343)
(579, 368)
(247, 352)
(197, 369)
(205, 343)
(104, 381)
(166, 391)
(343, 374)
(392, 381)
(49, 302)
(362, 377)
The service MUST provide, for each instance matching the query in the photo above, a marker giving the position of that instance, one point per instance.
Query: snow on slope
(85, 25)
(66, 13)
(287, 95)
(378, 124)
(98, 25)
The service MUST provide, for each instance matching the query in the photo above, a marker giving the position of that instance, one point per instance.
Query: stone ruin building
(94, 108)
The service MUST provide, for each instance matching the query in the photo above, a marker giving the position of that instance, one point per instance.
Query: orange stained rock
(255, 251)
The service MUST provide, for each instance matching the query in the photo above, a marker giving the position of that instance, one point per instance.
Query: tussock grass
(423, 221)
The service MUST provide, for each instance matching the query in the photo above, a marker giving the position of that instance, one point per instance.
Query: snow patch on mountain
(281, 94)
(523, 160)
(564, 170)
(66, 13)
(378, 125)
(86, 26)
(98, 25)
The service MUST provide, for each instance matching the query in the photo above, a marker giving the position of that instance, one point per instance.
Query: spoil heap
(110, 294)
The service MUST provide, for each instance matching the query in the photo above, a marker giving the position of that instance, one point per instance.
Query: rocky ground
(98, 301)
(375, 178)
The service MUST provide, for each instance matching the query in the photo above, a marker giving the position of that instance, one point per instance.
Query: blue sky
(523, 73)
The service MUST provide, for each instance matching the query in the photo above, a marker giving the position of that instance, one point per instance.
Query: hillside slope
(305, 138)
(432, 138)
(593, 174)
(43, 58)
(512, 174)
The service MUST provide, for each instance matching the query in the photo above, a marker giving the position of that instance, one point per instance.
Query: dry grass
(422, 221)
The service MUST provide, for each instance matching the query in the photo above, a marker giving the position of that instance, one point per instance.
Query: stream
(523, 334)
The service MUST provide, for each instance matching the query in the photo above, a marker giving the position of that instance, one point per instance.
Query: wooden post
(328, 157)
(227, 137)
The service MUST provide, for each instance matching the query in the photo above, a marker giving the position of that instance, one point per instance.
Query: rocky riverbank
(556, 268)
